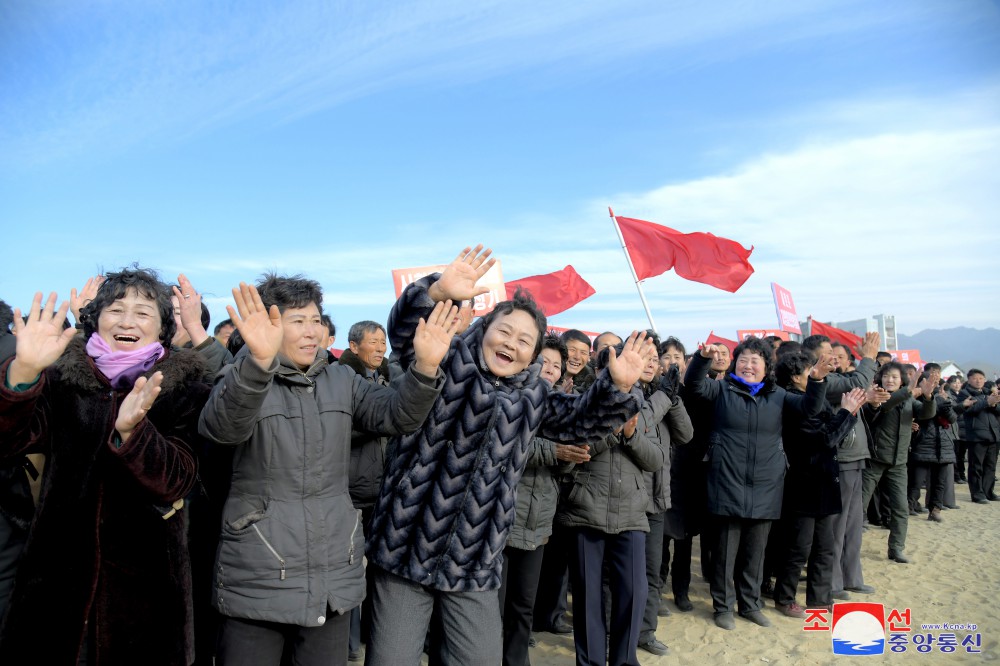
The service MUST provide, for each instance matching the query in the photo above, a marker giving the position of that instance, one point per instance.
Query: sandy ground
(954, 578)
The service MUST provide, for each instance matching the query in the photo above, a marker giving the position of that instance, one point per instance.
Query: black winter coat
(746, 458)
(935, 441)
(367, 449)
(100, 556)
(982, 422)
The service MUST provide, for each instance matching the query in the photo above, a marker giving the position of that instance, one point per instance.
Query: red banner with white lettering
(788, 320)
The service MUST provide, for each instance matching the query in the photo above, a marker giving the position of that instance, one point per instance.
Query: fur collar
(75, 367)
(351, 360)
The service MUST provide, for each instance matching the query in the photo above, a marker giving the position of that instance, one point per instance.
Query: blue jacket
(447, 499)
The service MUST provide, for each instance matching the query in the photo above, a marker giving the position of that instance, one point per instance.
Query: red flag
(554, 292)
(699, 256)
(714, 339)
(835, 334)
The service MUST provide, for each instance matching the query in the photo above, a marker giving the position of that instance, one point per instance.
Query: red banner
(714, 339)
(835, 334)
(484, 303)
(743, 334)
(559, 330)
(788, 320)
(908, 356)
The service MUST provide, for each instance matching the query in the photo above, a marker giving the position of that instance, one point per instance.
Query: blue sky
(856, 145)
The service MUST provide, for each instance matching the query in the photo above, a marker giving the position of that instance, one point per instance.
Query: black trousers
(738, 564)
(518, 588)
(960, 448)
(982, 469)
(625, 554)
(654, 558)
(550, 601)
(932, 475)
(252, 642)
(809, 544)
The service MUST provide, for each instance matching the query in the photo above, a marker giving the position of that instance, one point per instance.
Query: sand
(954, 578)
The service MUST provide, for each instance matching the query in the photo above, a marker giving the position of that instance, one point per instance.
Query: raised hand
(261, 329)
(924, 388)
(433, 337)
(40, 341)
(189, 304)
(876, 395)
(137, 403)
(79, 301)
(869, 345)
(458, 280)
(852, 400)
(823, 367)
(707, 349)
(629, 429)
(626, 369)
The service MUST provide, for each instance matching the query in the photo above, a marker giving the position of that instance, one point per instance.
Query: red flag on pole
(554, 292)
(714, 339)
(835, 334)
(700, 256)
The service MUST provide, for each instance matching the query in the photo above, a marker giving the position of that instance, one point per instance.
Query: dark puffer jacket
(935, 441)
(746, 458)
(367, 448)
(891, 425)
(982, 422)
(447, 499)
(670, 424)
(100, 556)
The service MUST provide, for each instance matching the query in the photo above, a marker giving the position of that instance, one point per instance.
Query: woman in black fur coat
(105, 575)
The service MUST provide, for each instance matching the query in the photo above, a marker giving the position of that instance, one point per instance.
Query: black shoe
(663, 610)
(725, 621)
(961, 481)
(561, 626)
(683, 604)
(981, 500)
(898, 556)
(655, 647)
(354, 655)
(532, 641)
(842, 595)
(993, 498)
(862, 589)
(913, 511)
(758, 618)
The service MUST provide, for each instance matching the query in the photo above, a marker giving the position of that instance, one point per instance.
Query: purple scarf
(122, 368)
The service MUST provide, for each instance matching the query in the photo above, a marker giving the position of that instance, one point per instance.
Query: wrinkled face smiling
(509, 343)
(750, 367)
(131, 322)
(551, 365)
(302, 332)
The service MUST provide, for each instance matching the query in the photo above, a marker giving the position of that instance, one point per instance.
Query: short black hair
(893, 365)
(222, 324)
(236, 342)
(791, 365)
(295, 291)
(814, 341)
(775, 340)
(754, 345)
(974, 371)
(576, 336)
(604, 356)
(788, 347)
(594, 346)
(330, 326)
(361, 329)
(932, 366)
(206, 316)
(850, 354)
(552, 341)
(146, 282)
(523, 301)
(883, 354)
(6, 316)
(671, 343)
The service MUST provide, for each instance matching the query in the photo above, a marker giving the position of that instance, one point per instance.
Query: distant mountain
(968, 347)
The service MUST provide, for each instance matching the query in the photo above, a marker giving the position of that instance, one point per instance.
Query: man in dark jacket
(982, 430)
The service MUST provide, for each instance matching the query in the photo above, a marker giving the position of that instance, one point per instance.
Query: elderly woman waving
(105, 576)
(746, 467)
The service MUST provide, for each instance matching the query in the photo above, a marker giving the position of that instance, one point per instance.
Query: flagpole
(635, 276)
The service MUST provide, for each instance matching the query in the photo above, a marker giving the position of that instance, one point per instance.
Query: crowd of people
(170, 496)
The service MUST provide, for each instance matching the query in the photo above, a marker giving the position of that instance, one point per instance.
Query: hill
(968, 347)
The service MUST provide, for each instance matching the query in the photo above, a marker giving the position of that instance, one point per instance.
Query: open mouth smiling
(126, 339)
(505, 357)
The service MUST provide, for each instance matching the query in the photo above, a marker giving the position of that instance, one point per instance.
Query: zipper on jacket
(350, 551)
(267, 543)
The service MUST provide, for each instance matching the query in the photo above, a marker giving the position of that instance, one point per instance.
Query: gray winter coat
(855, 446)
(670, 424)
(292, 543)
(537, 497)
(608, 493)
